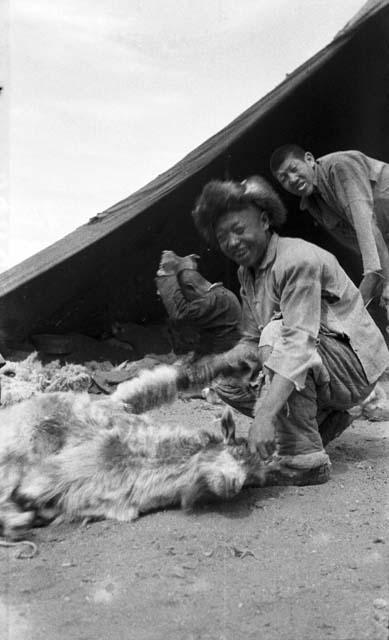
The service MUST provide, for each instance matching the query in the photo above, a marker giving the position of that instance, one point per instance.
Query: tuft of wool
(149, 389)
(21, 380)
(153, 388)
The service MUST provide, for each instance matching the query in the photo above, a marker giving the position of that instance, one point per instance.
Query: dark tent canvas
(105, 269)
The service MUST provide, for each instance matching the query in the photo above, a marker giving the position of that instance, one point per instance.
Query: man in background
(205, 317)
(347, 193)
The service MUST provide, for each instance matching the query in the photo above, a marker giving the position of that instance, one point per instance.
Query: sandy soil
(292, 563)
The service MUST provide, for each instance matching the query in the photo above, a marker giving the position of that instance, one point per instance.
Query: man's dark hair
(281, 153)
(220, 197)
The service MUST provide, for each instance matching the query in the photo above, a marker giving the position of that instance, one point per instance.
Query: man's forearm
(262, 433)
(369, 285)
(382, 252)
(172, 297)
(277, 395)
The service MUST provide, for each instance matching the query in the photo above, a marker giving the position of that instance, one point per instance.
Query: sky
(101, 96)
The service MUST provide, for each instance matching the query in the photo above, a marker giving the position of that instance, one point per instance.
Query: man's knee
(239, 394)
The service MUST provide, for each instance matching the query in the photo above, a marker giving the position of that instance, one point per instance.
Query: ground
(290, 563)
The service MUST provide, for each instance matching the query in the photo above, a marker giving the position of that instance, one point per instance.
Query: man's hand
(168, 264)
(262, 433)
(271, 402)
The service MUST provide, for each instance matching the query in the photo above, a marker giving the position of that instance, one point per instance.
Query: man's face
(297, 175)
(243, 236)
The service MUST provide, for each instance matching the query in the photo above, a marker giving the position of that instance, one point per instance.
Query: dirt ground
(290, 563)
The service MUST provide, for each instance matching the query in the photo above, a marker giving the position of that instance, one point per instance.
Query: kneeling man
(208, 312)
(324, 355)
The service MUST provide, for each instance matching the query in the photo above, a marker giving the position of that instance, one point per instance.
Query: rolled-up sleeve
(352, 186)
(295, 351)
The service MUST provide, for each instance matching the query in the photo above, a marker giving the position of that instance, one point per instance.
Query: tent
(105, 269)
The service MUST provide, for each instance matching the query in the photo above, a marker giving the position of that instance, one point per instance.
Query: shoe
(276, 474)
(287, 476)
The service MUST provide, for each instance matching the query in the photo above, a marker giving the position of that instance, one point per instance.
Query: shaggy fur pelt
(22, 380)
(65, 454)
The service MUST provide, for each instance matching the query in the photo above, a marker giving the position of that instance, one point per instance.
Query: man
(325, 354)
(209, 310)
(348, 193)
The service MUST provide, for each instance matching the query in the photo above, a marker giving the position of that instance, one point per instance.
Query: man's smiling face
(243, 235)
(297, 175)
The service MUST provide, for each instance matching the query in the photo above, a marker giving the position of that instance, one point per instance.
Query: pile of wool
(21, 380)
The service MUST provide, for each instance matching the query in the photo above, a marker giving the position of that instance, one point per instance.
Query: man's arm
(295, 352)
(171, 295)
(262, 432)
(353, 189)
(177, 306)
(168, 286)
(375, 255)
(383, 253)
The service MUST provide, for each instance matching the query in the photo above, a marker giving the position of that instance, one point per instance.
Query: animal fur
(22, 380)
(65, 454)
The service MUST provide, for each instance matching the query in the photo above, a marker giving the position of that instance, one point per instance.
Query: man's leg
(339, 385)
(297, 429)
(237, 391)
(318, 413)
(300, 458)
(240, 389)
(345, 385)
